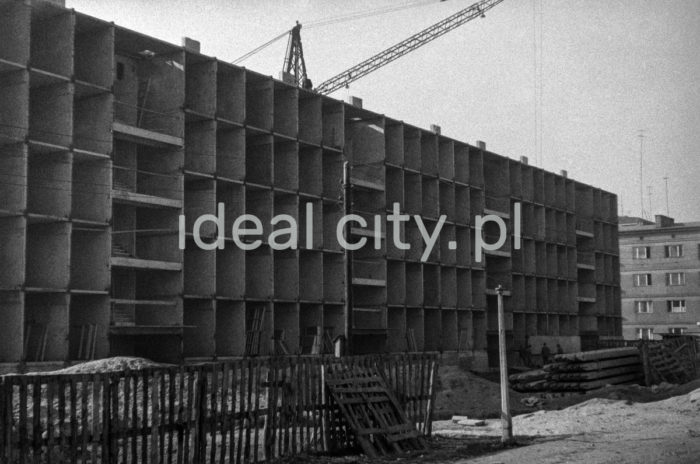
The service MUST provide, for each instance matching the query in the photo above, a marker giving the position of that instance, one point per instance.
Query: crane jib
(405, 46)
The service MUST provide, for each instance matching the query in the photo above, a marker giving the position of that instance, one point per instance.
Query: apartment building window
(676, 330)
(645, 333)
(673, 251)
(641, 280)
(644, 306)
(675, 278)
(676, 306)
(641, 252)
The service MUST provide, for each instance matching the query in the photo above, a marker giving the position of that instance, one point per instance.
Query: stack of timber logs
(583, 371)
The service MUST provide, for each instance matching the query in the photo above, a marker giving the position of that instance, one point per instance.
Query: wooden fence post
(200, 439)
(106, 418)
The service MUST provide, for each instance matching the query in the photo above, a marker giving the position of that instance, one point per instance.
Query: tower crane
(295, 65)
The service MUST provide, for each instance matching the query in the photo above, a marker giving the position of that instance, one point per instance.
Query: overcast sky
(608, 69)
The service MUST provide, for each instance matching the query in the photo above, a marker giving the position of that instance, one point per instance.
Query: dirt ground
(616, 424)
(599, 431)
(620, 424)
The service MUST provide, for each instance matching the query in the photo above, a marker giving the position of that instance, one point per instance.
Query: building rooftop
(630, 224)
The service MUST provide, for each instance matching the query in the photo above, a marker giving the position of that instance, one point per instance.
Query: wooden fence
(243, 411)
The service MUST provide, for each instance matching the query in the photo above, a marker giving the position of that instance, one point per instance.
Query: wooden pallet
(372, 412)
(670, 361)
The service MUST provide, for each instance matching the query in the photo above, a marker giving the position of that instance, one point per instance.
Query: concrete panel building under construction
(108, 137)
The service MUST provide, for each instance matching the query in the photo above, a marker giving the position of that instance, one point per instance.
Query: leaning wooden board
(372, 411)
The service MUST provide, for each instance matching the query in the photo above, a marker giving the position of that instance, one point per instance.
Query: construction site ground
(618, 424)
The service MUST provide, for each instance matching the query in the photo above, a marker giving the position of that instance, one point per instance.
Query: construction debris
(673, 360)
(373, 413)
(579, 372)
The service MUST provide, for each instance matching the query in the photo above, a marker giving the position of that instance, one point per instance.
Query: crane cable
(335, 20)
(366, 14)
(261, 47)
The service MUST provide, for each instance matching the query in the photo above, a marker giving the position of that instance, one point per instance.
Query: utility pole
(506, 420)
(347, 208)
(666, 183)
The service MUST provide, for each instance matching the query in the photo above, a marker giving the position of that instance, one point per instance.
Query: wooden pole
(506, 421)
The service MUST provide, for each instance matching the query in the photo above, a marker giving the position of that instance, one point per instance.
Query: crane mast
(406, 46)
(294, 63)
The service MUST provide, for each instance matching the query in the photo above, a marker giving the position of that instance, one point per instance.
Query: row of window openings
(672, 278)
(647, 333)
(647, 306)
(670, 251)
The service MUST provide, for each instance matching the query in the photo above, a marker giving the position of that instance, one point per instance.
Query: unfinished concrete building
(108, 136)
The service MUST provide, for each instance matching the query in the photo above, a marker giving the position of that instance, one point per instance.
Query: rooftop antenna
(649, 191)
(641, 173)
(666, 184)
(622, 206)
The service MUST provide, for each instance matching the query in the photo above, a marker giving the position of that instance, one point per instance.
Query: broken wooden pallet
(672, 360)
(372, 412)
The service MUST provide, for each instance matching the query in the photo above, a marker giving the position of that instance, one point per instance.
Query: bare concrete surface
(598, 431)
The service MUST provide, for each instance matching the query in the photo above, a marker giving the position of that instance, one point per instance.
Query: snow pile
(116, 364)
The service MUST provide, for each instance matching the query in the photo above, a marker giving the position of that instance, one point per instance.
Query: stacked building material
(579, 372)
(530, 381)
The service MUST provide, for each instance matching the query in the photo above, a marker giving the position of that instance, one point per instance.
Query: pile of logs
(580, 372)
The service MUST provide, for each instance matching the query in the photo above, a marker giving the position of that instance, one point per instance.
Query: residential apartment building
(108, 137)
(660, 268)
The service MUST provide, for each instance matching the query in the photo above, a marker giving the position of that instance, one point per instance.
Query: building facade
(660, 268)
(112, 142)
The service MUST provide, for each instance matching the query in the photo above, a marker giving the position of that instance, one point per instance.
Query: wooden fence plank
(213, 429)
(233, 411)
(6, 388)
(36, 419)
(145, 416)
(224, 418)
(4, 445)
(114, 426)
(172, 378)
(124, 435)
(63, 426)
(162, 417)
(189, 413)
(105, 399)
(179, 386)
(256, 410)
(83, 418)
(96, 417)
(72, 393)
(241, 407)
(245, 410)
